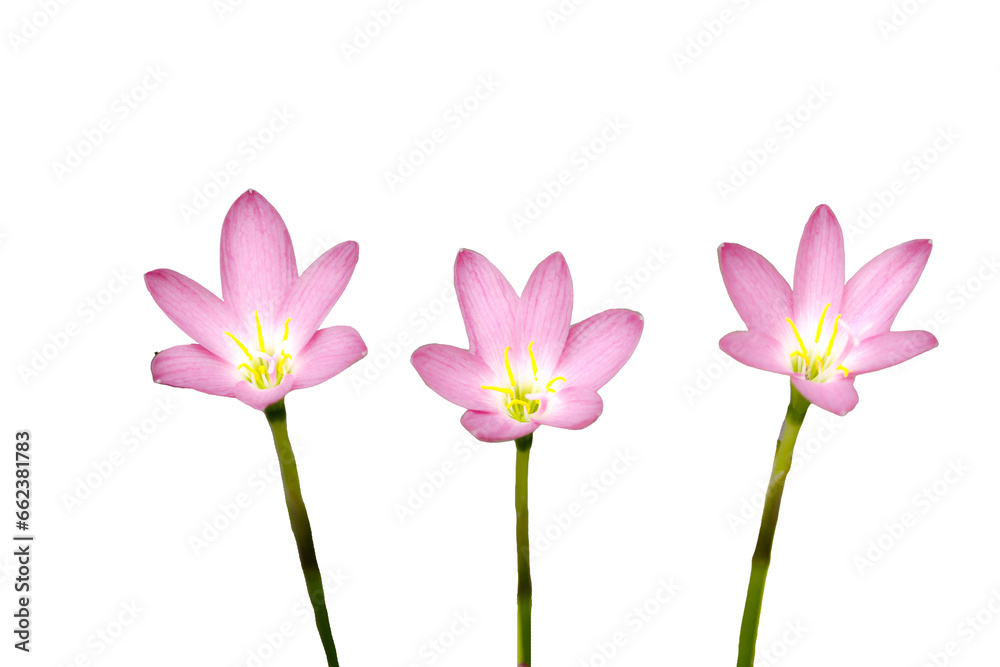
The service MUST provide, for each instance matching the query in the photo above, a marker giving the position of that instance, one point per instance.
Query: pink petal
(837, 395)
(488, 304)
(495, 426)
(543, 315)
(257, 260)
(761, 296)
(888, 349)
(574, 408)
(819, 267)
(329, 352)
(315, 292)
(458, 376)
(196, 311)
(261, 398)
(194, 367)
(757, 350)
(874, 295)
(598, 347)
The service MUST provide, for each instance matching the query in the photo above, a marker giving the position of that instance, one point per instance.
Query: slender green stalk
(523, 553)
(300, 526)
(772, 501)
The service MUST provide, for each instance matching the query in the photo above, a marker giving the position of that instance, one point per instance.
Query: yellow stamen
(548, 387)
(534, 366)
(242, 346)
(822, 317)
(246, 366)
(260, 332)
(841, 368)
(510, 372)
(502, 390)
(829, 348)
(286, 330)
(518, 401)
(797, 336)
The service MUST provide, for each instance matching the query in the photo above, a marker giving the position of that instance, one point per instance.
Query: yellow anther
(518, 401)
(548, 387)
(829, 348)
(822, 317)
(285, 337)
(242, 346)
(246, 366)
(534, 365)
(841, 368)
(260, 332)
(797, 336)
(502, 390)
(506, 361)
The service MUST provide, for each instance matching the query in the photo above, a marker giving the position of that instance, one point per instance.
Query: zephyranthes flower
(526, 367)
(260, 341)
(822, 333)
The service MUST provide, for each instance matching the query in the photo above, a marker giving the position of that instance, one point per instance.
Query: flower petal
(757, 350)
(574, 408)
(874, 295)
(543, 315)
(488, 304)
(256, 259)
(261, 398)
(888, 349)
(598, 347)
(458, 376)
(761, 295)
(196, 311)
(315, 292)
(819, 267)
(194, 367)
(330, 351)
(495, 426)
(837, 395)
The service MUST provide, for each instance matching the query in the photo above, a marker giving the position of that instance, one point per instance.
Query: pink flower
(823, 333)
(526, 366)
(260, 340)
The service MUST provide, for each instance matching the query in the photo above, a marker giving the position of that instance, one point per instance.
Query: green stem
(772, 501)
(300, 526)
(523, 553)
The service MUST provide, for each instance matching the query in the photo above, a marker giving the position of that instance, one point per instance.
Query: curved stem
(300, 526)
(796, 413)
(523, 553)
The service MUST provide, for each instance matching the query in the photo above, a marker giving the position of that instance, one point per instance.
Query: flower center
(519, 393)
(816, 362)
(266, 367)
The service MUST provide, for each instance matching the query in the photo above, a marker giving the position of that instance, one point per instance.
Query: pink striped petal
(819, 267)
(488, 304)
(330, 351)
(196, 311)
(194, 367)
(459, 376)
(315, 292)
(543, 315)
(259, 399)
(837, 395)
(757, 350)
(598, 347)
(761, 296)
(574, 408)
(495, 426)
(888, 349)
(874, 295)
(257, 260)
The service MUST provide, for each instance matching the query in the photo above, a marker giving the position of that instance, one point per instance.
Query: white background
(699, 427)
